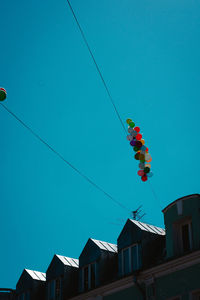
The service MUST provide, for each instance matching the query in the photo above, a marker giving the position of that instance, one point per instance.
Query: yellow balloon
(148, 165)
(142, 141)
(128, 121)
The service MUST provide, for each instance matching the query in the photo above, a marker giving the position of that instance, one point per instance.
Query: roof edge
(182, 198)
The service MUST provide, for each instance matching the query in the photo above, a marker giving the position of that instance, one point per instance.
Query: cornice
(172, 266)
(143, 276)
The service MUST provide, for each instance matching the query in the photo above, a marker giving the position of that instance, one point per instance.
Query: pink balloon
(129, 137)
(140, 172)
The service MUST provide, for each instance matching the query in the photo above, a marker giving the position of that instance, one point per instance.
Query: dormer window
(58, 289)
(183, 236)
(186, 234)
(130, 259)
(89, 276)
(24, 296)
(54, 289)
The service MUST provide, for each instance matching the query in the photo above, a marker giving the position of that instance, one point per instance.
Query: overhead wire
(102, 78)
(63, 159)
(97, 66)
(115, 109)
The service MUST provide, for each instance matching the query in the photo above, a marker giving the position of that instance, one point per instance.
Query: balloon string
(155, 195)
(63, 159)
(97, 67)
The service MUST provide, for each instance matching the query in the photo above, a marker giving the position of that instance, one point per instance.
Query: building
(147, 262)
(31, 285)
(62, 278)
(7, 294)
(97, 265)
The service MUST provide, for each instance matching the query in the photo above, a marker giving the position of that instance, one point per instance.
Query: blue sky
(148, 52)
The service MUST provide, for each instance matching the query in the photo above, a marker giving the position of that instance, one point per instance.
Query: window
(182, 236)
(196, 295)
(85, 276)
(186, 237)
(92, 275)
(24, 296)
(126, 261)
(54, 289)
(131, 259)
(51, 289)
(58, 286)
(21, 297)
(27, 297)
(89, 277)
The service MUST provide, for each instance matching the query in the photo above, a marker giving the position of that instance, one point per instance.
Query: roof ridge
(103, 241)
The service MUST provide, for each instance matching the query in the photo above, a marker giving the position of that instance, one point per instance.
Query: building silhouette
(148, 262)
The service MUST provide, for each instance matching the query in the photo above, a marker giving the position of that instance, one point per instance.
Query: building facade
(147, 262)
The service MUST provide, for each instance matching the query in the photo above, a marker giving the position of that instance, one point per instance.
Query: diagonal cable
(96, 65)
(62, 158)
(100, 74)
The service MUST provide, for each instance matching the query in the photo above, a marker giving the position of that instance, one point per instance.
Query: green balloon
(132, 124)
(146, 170)
(142, 160)
(135, 149)
(2, 95)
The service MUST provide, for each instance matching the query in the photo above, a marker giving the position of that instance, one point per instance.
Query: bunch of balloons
(3, 94)
(142, 154)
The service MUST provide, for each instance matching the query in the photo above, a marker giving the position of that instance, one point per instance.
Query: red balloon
(140, 172)
(147, 149)
(144, 177)
(138, 137)
(137, 129)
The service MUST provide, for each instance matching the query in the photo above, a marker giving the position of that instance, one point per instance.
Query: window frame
(58, 290)
(130, 258)
(53, 282)
(177, 236)
(89, 279)
(189, 223)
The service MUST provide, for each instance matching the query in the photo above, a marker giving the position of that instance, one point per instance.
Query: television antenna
(136, 214)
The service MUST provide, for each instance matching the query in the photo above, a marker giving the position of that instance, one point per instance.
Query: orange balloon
(149, 160)
(142, 141)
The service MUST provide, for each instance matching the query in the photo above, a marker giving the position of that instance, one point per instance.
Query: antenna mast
(135, 214)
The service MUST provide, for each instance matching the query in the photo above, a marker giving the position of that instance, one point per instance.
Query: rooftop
(182, 198)
(68, 261)
(36, 275)
(105, 246)
(149, 228)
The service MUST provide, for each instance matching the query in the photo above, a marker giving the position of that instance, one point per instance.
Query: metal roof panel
(105, 245)
(68, 261)
(148, 227)
(36, 275)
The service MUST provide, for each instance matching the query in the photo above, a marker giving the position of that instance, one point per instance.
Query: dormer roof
(183, 198)
(36, 275)
(68, 261)
(105, 245)
(148, 227)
